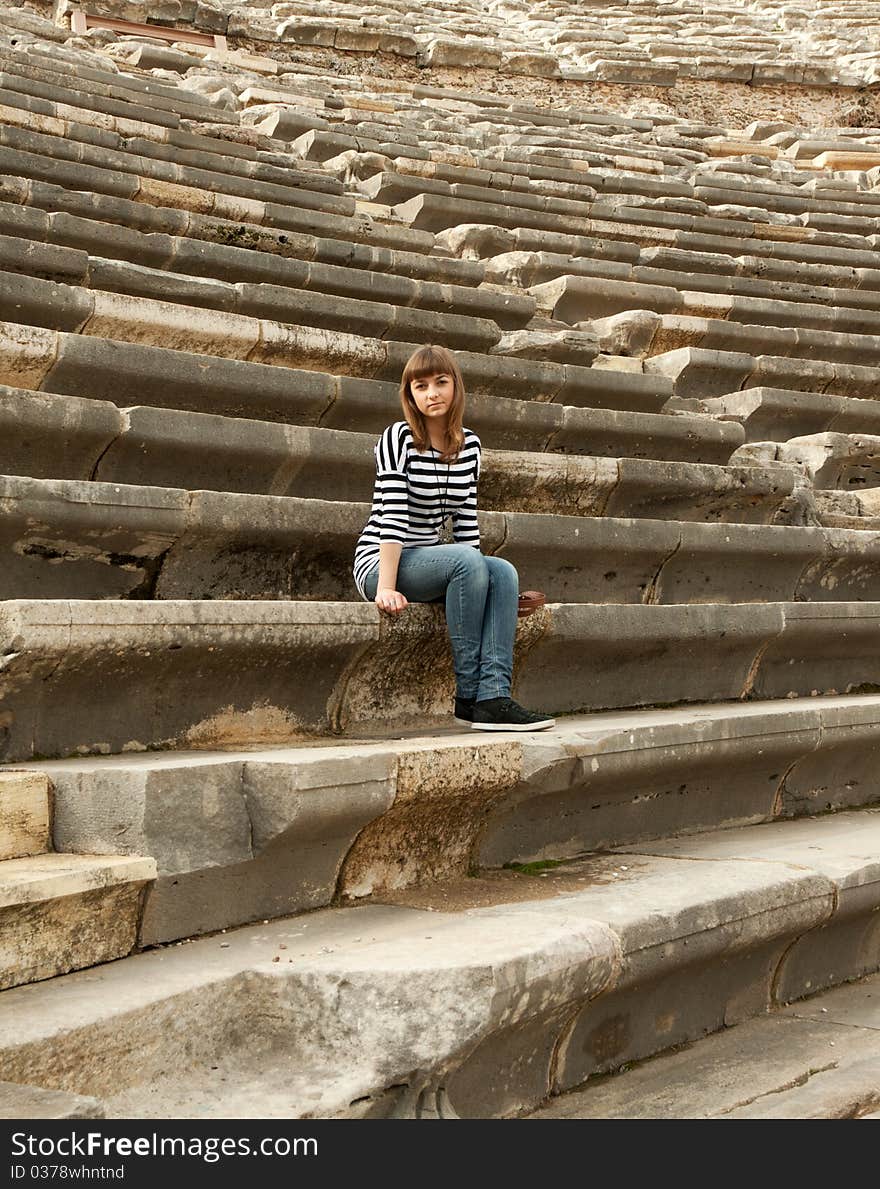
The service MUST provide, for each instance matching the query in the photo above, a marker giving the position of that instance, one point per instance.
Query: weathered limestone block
(728, 976)
(568, 346)
(840, 772)
(446, 52)
(62, 912)
(287, 661)
(576, 299)
(776, 415)
(525, 975)
(24, 814)
(51, 436)
(26, 354)
(234, 840)
(741, 563)
(825, 647)
(575, 559)
(844, 947)
(847, 568)
(62, 539)
(441, 797)
(666, 490)
(622, 778)
(263, 547)
(830, 460)
(629, 655)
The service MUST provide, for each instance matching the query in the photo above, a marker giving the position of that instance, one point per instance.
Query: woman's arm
(391, 489)
(388, 597)
(465, 526)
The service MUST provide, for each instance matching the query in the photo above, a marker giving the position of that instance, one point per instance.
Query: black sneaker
(464, 710)
(503, 714)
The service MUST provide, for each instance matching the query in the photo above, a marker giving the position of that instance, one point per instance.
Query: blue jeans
(481, 610)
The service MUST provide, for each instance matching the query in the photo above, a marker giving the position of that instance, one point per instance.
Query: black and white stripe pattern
(410, 488)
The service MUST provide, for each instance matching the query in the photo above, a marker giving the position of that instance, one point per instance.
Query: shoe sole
(499, 726)
(465, 722)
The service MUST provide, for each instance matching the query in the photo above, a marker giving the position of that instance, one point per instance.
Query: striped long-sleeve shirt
(410, 490)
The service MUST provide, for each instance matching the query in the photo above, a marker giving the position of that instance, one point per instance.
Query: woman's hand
(391, 601)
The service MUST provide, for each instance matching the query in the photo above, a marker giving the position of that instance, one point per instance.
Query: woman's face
(433, 395)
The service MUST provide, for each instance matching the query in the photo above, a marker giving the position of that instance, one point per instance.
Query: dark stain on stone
(608, 1040)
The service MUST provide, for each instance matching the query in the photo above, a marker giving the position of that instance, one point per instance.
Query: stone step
(816, 1059)
(64, 912)
(284, 327)
(103, 540)
(835, 461)
(402, 179)
(141, 231)
(627, 228)
(704, 372)
(775, 414)
(24, 815)
(229, 673)
(122, 368)
(654, 283)
(849, 509)
(747, 271)
(243, 836)
(47, 436)
(61, 145)
(150, 94)
(113, 97)
(22, 293)
(439, 212)
(200, 451)
(675, 947)
(222, 156)
(34, 166)
(575, 299)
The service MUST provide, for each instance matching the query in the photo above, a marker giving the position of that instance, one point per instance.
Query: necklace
(445, 531)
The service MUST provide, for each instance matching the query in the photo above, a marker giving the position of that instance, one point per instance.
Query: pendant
(445, 531)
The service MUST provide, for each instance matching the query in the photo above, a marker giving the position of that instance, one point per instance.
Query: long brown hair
(432, 361)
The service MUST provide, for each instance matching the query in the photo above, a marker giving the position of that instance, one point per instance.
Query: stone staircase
(231, 790)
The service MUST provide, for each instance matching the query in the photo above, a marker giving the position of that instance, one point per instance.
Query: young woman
(426, 470)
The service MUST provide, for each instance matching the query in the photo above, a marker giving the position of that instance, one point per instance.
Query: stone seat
(151, 140)
(120, 369)
(188, 297)
(51, 436)
(100, 540)
(339, 812)
(43, 211)
(764, 1069)
(577, 299)
(64, 912)
(63, 147)
(831, 460)
(35, 167)
(628, 227)
(675, 332)
(286, 327)
(59, 912)
(229, 673)
(717, 275)
(112, 94)
(703, 373)
(679, 939)
(439, 212)
(88, 253)
(775, 414)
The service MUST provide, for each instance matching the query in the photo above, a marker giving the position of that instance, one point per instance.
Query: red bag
(529, 601)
